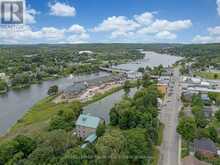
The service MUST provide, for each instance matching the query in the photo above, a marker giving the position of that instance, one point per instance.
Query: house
(188, 95)
(86, 125)
(2, 75)
(162, 88)
(205, 98)
(191, 160)
(207, 111)
(205, 147)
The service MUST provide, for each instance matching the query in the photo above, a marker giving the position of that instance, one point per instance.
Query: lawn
(208, 75)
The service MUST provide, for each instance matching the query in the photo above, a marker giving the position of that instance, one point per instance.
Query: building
(205, 98)
(162, 88)
(205, 147)
(191, 160)
(134, 75)
(208, 111)
(2, 75)
(188, 95)
(74, 90)
(86, 125)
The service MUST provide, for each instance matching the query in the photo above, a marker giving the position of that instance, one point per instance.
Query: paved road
(169, 152)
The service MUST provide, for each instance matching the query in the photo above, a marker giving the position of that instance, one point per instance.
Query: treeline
(28, 64)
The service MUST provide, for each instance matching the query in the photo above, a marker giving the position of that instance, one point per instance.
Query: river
(14, 104)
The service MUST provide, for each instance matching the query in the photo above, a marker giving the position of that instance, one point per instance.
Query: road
(169, 150)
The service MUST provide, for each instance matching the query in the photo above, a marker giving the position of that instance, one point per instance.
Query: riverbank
(36, 121)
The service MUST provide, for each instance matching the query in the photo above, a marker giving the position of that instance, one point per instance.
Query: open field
(208, 75)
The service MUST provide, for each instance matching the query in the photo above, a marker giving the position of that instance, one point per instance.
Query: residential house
(188, 95)
(207, 111)
(86, 125)
(205, 147)
(205, 98)
(191, 160)
(2, 76)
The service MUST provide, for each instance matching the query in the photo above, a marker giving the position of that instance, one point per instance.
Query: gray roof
(205, 144)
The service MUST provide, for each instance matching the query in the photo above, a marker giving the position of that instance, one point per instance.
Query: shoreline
(23, 121)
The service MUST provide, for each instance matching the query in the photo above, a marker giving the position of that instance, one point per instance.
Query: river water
(14, 104)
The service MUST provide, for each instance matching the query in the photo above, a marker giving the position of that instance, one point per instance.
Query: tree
(146, 80)
(100, 130)
(126, 87)
(41, 155)
(213, 134)
(25, 144)
(187, 128)
(7, 151)
(3, 85)
(78, 156)
(53, 90)
(60, 141)
(141, 70)
(138, 146)
(111, 148)
(215, 76)
(217, 115)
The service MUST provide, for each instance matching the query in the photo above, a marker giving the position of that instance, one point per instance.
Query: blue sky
(144, 21)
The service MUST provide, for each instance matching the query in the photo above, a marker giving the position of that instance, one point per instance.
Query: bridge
(115, 70)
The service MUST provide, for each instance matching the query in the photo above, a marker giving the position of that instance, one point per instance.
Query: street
(169, 150)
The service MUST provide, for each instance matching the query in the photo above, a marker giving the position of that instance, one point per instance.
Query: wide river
(14, 104)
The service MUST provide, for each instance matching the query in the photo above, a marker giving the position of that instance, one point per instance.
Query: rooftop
(205, 144)
(91, 138)
(88, 121)
(191, 160)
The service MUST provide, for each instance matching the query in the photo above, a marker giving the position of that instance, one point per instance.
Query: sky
(114, 21)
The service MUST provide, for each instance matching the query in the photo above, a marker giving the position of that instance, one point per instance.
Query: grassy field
(208, 75)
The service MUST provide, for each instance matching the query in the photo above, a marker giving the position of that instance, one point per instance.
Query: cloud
(144, 18)
(141, 26)
(214, 31)
(165, 25)
(77, 29)
(218, 6)
(26, 35)
(62, 9)
(120, 23)
(166, 35)
(212, 37)
(30, 16)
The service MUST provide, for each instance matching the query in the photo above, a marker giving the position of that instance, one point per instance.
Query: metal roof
(91, 138)
(88, 121)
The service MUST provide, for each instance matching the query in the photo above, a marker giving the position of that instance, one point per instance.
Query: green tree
(139, 147)
(187, 128)
(217, 115)
(100, 130)
(111, 148)
(126, 87)
(41, 155)
(53, 90)
(213, 134)
(25, 144)
(3, 85)
(78, 156)
(7, 151)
